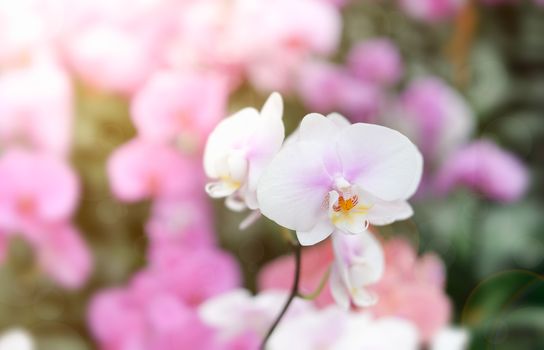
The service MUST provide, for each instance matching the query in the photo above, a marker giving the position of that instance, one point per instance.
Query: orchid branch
(319, 289)
(294, 292)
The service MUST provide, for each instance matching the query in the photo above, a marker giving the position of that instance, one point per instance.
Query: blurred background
(105, 106)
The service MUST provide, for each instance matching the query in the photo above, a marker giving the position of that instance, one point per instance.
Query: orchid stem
(294, 292)
(319, 289)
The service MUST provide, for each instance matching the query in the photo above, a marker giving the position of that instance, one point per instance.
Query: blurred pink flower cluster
(158, 308)
(177, 61)
(357, 89)
(39, 191)
(431, 113)
(412, 287)
(117, 45)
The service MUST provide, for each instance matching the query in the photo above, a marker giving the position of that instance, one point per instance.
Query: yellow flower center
(345, 205)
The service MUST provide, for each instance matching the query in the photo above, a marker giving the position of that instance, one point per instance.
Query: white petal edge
(318, 233)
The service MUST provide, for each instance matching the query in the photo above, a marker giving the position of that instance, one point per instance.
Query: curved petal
(339, 120)
(385, 213)
(293, 187)
(317, 127)
(231, 133)
(318, 233)
(380, 160)
(363, 298)
(338, 289)
(273, 107)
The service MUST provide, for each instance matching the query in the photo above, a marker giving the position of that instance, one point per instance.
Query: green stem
(319, 289)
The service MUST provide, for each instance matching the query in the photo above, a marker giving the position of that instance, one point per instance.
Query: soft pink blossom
(376, 61)
(142, 169)
(35, 188)
(319, 84)
(194, 275)
(156, 310)
(412, 288)
(485, 168)
(432, 10)
(111, 58)
(326, 88)
(358, 100)
(118, 322)
(288, 36)
(183, 221)
(36, 107)
(179, 106)
(62, 254)
(435, 116)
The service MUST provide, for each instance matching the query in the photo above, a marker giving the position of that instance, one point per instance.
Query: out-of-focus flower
(237, 313)
(142, 169)
(411, 288)
(376, 61)
(325, 87)
(279, 273)
(38, 195)
(450, 338)
(267, 43)
(118, 321)
(487, 169)
(35, 188)
(338, 3)
(360, 101)
(333, 328)
(183, 222)
(23, 30)
(193, 276)
(182, 106)
(111, 58)
(319, 84)
(432, 10)
(359, 262)
(16, 339)
(312, 329)
(157, 310)
(239, 149)
(36, 107)
(62, 254)
(434, 116)
(337, 176)
(288, 36)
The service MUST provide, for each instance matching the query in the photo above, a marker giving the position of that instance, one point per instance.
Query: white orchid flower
(359, 262)
(336, 176)
(239, 149)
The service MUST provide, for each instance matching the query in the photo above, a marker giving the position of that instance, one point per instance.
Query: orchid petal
(294, 186)
(380, 160)
(338, 289)
(363, 298)
(318, 233)
(231, 133)
(385, 213)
